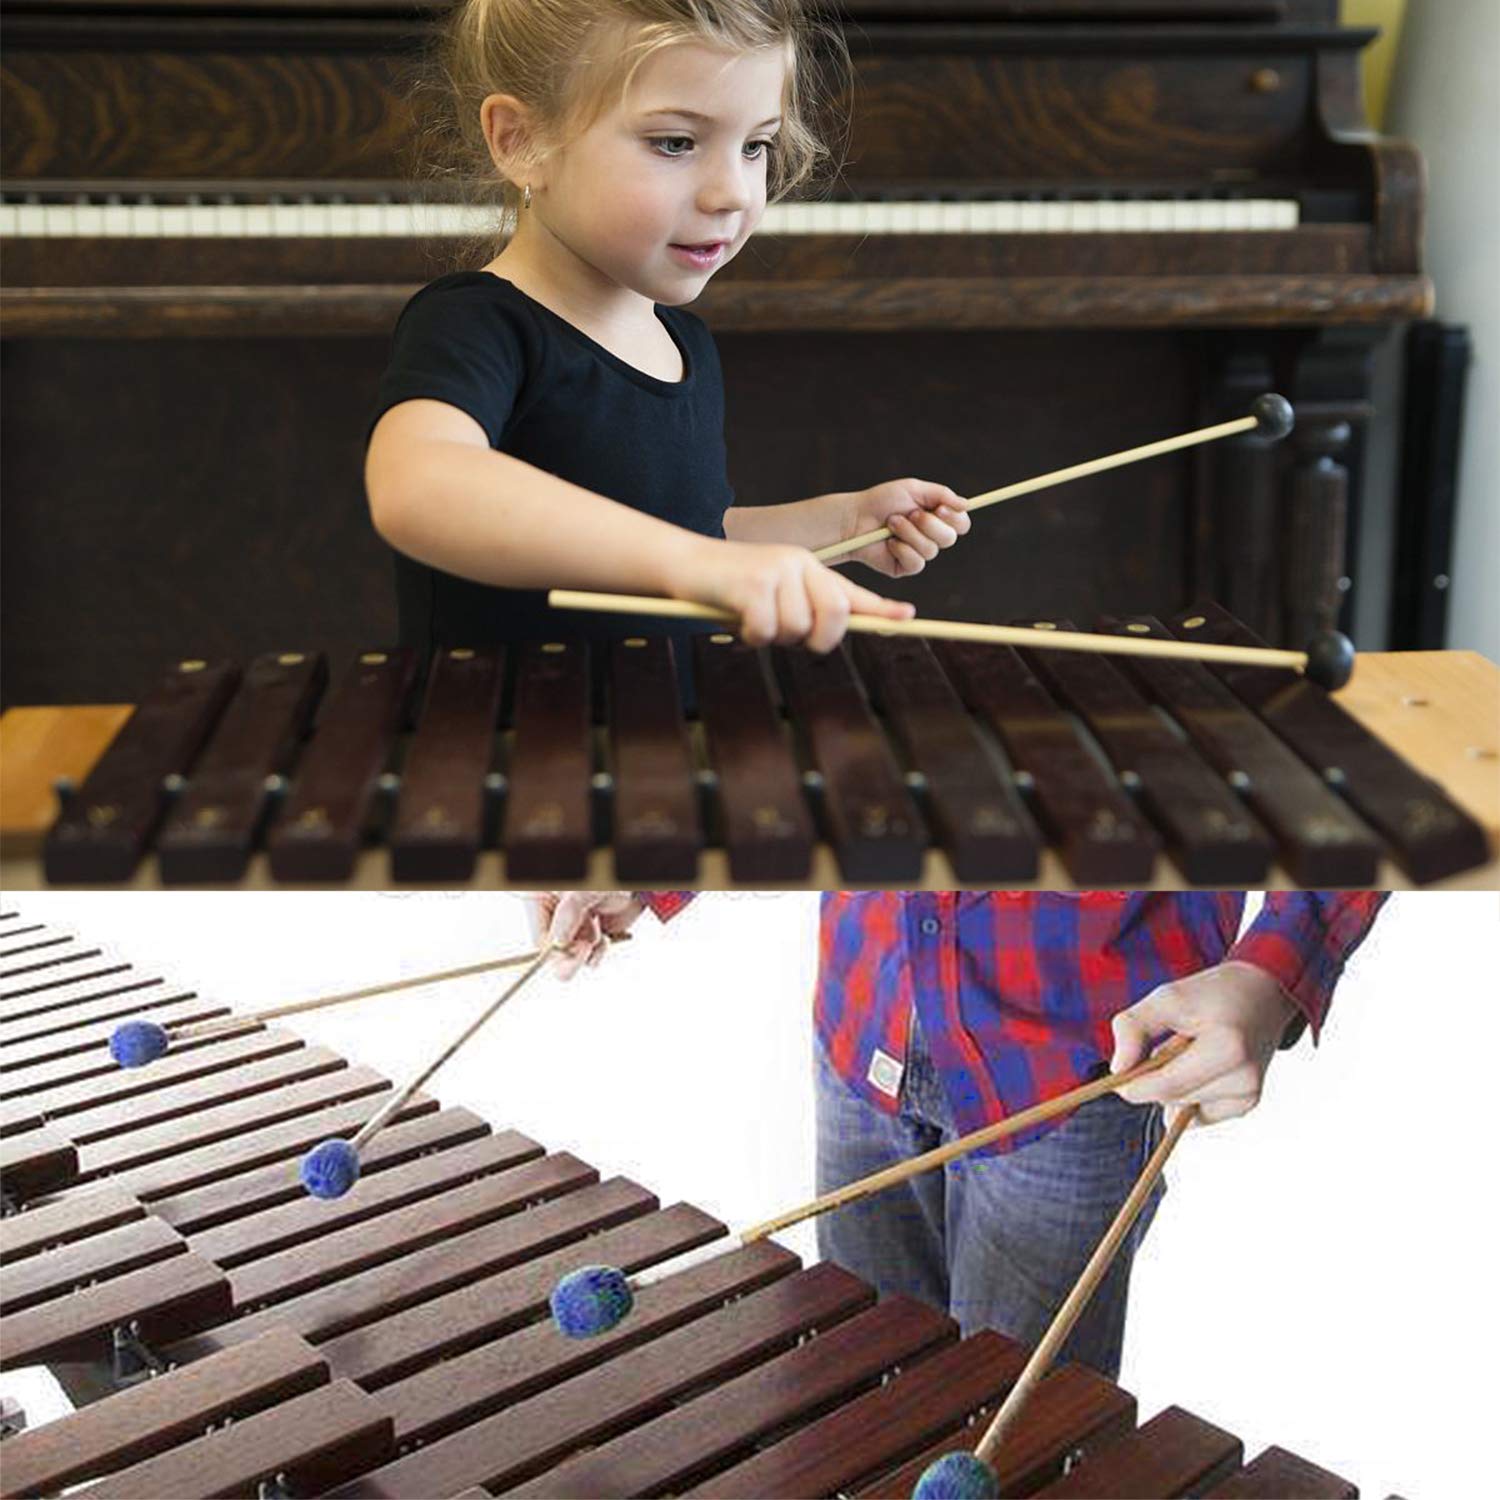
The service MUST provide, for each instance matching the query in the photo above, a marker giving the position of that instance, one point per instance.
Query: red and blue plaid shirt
(1014, 991)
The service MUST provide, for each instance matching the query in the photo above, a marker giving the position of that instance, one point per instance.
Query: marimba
(889, 761)
(397, 1342)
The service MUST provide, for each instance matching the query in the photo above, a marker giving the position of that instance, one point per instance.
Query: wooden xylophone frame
(985, 756)
(397, 1343)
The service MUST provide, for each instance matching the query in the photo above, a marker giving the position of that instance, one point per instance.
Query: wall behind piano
(1442, 97)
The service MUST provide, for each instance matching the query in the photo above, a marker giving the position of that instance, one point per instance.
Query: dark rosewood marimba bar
(396, 1342)
(889, 754)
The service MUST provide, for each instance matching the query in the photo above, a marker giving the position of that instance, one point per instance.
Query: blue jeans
(997, 1241)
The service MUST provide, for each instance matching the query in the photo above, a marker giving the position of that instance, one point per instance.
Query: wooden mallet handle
(1093, 1273)
(1328, 661)
(1271, 415)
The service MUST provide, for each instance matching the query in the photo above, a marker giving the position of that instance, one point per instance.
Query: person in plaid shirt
(940, 1012)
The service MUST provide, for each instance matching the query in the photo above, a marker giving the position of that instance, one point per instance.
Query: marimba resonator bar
(983, 752)
(397, 1341)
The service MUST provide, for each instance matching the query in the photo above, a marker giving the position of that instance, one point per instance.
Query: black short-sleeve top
(548, 394)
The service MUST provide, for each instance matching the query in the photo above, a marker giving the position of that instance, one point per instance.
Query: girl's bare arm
(440, 494)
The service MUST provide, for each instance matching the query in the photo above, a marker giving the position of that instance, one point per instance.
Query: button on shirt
(1015, 991)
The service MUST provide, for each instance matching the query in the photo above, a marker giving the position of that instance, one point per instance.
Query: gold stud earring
(526, 197)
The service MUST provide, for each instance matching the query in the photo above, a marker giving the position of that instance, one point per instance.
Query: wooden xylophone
(241, 1338)
(904, 762)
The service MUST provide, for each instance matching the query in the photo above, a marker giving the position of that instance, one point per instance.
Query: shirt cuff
(1303, 945)
(666, 904)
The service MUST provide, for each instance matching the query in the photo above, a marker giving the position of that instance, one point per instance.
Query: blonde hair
(569, 60)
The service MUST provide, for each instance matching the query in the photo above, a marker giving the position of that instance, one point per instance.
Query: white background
(1321, 1275)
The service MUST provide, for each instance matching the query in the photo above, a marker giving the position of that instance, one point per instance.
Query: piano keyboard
(305, 220)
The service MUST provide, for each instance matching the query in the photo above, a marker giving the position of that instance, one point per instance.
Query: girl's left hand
(1235, 1013)
(923, 518)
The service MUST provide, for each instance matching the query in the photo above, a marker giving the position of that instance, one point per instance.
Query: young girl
(555, 419)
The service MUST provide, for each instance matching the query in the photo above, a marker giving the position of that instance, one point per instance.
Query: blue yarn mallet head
(329, 1170)
(591, 1301)
(136, 1043)
(957, 1476)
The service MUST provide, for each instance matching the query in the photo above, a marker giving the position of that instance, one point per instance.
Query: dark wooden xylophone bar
(123, 1084)
(1322, 841)
(976, 812)
(1208, 831)
(103, 831)
(305, 1444)
(1073, 1411)
(767, 830)
(531, 1436)
(883, 1427)
(1101, 837)
(437, 1379)
(656, 828)
(670, 1450)
(322, 824)
(868, 813)
(1430, 835)
(155, 1417)
(1279, 1475)
(548, 810)
(440, 822)
(408, 1276)
(1175, 1453)
(211, 829)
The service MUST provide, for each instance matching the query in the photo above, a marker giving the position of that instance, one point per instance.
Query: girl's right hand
(783, 595)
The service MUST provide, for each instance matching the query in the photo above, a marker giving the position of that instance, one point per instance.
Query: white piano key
(341, 220)
(369, 219)
(115, 220)
(1238, 215)
(33, 221)
(1213, 214)
(1028, 217)
(88, 220)
(929, 217)
(1159, 216)
(174, 221)
(1054, 218)
(850, 219)
(258, 221)
(903, 218)
(202, 220)
(1083, 218)
(9, 221)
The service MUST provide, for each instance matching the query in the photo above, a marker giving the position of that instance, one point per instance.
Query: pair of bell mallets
(594, 1299)
(1328, 660)
(331, 1168)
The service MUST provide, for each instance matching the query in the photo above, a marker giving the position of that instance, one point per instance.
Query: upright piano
(1062, 227)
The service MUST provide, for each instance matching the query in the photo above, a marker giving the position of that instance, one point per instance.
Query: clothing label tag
(885, 1073)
